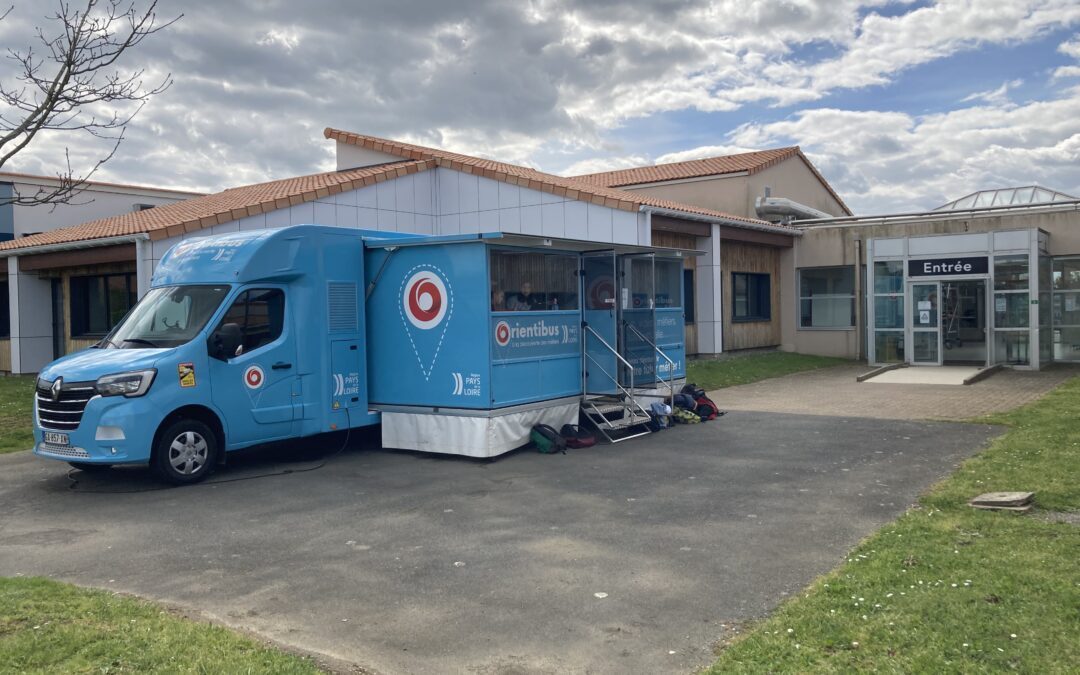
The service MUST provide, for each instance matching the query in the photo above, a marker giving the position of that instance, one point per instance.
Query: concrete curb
(983, 373)
(877, 371)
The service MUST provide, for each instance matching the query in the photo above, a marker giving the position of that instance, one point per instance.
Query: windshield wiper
(140, 341)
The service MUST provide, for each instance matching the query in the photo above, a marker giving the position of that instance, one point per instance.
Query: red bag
(706, 409)
(576, 437)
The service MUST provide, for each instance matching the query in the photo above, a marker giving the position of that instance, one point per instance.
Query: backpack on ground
(685, 401)
(706, 409)
(576, 437)
(659, 416)
(547, 440)
(684, 416)
(693, 391)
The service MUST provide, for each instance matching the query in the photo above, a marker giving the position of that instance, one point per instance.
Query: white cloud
(1071, 48)
(997, 96)
(599, 164)
(892, 161)
(541, 83)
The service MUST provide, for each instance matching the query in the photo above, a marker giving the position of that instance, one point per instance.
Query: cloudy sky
(901, 104)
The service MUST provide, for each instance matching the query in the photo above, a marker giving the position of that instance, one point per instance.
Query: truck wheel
(185, 453)
(90, 468)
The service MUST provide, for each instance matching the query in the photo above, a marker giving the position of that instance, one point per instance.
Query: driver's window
(260, 315)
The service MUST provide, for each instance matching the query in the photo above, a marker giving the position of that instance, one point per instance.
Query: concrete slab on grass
(953, 375)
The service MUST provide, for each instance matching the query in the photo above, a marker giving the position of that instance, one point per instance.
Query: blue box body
(457, 362)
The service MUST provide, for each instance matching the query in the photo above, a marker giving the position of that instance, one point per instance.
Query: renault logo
(55, 389)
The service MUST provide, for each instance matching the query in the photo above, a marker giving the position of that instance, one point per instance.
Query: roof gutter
(73, 245)
(733, 222)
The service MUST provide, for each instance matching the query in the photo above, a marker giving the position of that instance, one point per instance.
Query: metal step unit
(617, 418)
(621, 416)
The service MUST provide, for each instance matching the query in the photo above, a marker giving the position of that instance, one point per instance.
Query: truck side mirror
(225, 341)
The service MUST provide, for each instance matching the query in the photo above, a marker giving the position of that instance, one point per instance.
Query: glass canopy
(1013, 196)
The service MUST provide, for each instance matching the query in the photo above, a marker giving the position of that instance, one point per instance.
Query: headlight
(131, 384)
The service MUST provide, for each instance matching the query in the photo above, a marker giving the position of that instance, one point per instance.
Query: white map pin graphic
(426, 303)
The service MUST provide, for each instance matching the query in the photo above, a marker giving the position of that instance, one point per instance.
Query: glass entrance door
(599, 310)
(925, 323)
(964, 324)
(637, 318)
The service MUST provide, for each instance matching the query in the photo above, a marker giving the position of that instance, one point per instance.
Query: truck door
(254, 387)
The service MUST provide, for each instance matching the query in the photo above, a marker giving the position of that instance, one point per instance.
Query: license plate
(55, 438)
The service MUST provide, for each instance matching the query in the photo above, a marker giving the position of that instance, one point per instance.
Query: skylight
(1012, 196)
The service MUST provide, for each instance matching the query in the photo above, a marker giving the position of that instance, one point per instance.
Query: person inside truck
(498, 301)
(525, 300)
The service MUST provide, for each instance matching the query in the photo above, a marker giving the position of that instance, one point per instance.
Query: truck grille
(65, 413)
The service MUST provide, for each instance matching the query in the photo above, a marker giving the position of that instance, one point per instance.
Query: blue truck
(455, 344)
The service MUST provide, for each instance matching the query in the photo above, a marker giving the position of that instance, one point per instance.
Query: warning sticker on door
(186, 372)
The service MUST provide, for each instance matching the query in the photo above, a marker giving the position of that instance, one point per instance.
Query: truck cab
(229, 348)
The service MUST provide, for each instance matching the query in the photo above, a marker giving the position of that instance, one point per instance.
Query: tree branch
(63, 89)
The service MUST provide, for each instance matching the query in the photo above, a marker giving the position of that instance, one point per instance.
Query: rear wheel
(90, 468)
(185, 452)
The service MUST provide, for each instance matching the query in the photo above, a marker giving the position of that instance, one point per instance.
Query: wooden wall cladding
(741, 257)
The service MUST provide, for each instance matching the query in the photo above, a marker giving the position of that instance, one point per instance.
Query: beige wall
(826, 246)
(5, 355)
(735, 194)
(792, 179)
(727, 194)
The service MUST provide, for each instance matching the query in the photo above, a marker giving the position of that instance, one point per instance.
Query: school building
(990, 278)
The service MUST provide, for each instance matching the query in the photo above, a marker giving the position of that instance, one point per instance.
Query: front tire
(90, 468)
(185, 452)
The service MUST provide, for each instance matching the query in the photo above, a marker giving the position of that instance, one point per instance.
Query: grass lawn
(49, 627)
(16, 413)
(745, 369)
(947, 588)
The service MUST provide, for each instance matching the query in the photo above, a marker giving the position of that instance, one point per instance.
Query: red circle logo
(502, 333)
(602, 293)
(425, 299)
(253, 377)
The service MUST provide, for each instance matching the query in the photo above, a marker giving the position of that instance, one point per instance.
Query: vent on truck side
(342, 303)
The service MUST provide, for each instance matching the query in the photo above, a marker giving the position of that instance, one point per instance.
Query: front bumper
(113, 430)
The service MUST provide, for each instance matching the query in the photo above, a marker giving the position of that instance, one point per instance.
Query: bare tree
(73, 85)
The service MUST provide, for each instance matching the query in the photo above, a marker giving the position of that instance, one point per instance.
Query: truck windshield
(168, 316)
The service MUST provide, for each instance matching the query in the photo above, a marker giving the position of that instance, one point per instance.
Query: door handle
(281, 365)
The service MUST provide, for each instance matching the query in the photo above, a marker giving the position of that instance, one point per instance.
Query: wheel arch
(197, 412)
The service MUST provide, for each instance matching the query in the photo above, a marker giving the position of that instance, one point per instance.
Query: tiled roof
(194, 214)
(750, 162)
(571, 188)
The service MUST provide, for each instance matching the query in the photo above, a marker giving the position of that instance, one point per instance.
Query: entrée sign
(947, 267)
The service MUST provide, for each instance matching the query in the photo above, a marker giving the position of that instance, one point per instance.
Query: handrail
(671, 364)
(617, 355)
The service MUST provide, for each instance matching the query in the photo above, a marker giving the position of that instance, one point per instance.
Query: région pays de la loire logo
(427, 305)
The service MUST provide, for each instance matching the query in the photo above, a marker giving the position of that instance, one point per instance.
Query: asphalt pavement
(632, 558)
